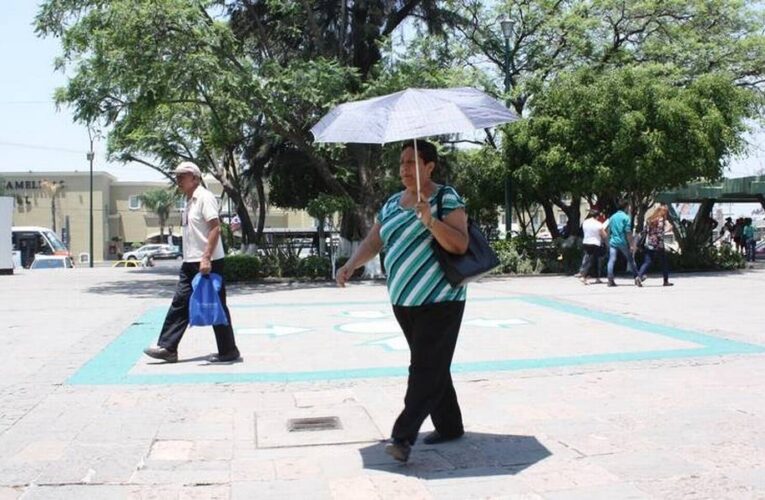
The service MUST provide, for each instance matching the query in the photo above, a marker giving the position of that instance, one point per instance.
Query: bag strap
(440, 202)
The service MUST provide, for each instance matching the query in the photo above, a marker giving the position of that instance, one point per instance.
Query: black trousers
(177, 319)
(431, 332)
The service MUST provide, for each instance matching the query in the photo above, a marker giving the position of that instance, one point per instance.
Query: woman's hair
(660, 213)
(425, 150)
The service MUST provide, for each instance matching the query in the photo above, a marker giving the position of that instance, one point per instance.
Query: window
(134, 202)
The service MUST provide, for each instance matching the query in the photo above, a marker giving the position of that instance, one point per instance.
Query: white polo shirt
(201, 208)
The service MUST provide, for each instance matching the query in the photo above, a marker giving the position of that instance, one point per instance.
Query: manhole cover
(284, 428)
(313, 424)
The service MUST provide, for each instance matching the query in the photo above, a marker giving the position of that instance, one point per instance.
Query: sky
(35, 136)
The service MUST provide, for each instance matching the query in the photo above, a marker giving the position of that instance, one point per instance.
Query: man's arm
(213, 235)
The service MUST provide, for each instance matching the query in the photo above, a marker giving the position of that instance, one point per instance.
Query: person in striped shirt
(428, 309)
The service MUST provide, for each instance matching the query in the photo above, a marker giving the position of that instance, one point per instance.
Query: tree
(177, 79)
(161, 202)
(52, 189)
(692, 37)
(633, 131)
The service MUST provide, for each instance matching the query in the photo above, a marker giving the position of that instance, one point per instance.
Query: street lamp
(90, 159)
(507, 32)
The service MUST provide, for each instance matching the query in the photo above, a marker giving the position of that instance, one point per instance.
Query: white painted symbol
(496, 323)
(272, 330)
(397, 343)
(366, 314)
(380, 326)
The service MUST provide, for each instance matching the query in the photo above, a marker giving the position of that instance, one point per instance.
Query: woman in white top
(594, 236)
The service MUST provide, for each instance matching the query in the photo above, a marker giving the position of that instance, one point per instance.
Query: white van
(32, 240)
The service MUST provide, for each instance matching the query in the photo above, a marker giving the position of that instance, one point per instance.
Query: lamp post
(507, 32)
(90, 159)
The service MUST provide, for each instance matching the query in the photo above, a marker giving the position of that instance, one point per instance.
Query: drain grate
(313, 424)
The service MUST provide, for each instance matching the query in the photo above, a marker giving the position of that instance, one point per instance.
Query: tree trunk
(53, 212)
(552, 226)
(262, 208)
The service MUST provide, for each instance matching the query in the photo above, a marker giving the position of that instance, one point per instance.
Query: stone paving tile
(698, 487)
(182, 472)
(654, 466)
(77, 492)
(10, 493)
(301, 489)
(615, 491)
(95, 463)
(253, 470)
(499, 487)
(353, 488)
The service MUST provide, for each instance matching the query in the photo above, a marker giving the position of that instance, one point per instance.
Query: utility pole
(90, 156)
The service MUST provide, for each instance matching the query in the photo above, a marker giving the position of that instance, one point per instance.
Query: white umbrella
(411, 114)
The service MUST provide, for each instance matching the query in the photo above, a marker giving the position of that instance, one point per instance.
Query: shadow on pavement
(475, 454)
(142, 289)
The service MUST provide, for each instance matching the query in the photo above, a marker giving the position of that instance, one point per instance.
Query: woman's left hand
(422, 209)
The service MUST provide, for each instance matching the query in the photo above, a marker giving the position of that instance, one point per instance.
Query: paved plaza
(567, 391)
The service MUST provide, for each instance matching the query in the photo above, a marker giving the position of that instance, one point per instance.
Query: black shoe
(225, 358)
(638, 281)
(667, 283)
(436, 437)
(611, 283)
(399, 450)
(158, 352)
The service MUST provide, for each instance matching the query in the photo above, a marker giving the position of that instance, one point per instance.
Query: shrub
(513, 259)
(315, 267)
(271, 266)
(289, 265)
(241, 268)
(707, 258)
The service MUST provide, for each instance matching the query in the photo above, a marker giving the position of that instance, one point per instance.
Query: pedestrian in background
(654, 249)
(593, 242)
(620, 241)
(202, 253)
(747, 236)
(428, 309)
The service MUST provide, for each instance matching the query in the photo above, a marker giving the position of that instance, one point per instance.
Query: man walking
(202, 253)
(620, 240)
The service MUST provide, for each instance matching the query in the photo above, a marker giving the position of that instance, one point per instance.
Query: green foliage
(325, 205)
(514, 259)
(708, 258)
(315, 267)
(632, 130)
(161, 202)
(242, 268)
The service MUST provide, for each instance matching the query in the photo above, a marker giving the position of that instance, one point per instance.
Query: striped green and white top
(415, 277)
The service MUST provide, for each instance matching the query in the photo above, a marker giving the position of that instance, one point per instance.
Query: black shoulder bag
(477, 261)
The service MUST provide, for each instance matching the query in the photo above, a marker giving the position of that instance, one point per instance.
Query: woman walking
(593, 241)
(428, 309)
(654, 244)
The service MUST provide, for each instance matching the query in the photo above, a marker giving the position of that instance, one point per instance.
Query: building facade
(61, 201)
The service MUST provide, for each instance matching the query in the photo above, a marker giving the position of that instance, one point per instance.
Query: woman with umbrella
(428, 309)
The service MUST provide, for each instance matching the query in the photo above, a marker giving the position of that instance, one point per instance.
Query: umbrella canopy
(411, 114)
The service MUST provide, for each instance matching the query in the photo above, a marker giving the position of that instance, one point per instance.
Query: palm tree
(51, 189)
(160, 201)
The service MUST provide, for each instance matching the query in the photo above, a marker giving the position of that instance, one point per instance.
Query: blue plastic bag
(205, 308)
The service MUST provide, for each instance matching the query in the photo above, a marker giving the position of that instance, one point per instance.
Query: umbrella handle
(417, 174)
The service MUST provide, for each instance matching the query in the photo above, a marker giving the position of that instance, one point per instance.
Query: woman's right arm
(369, 247)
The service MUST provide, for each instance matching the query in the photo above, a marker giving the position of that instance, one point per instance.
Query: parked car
(52, 262)
(141, 252)
(168, 252)
(128, 263)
